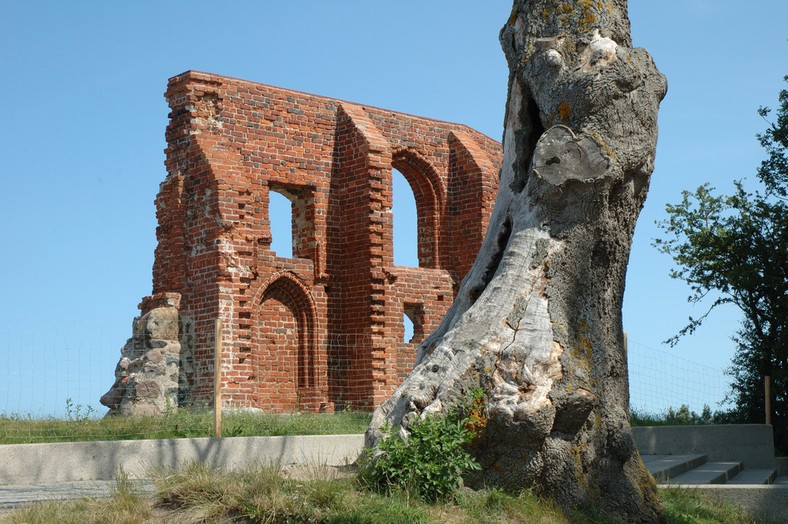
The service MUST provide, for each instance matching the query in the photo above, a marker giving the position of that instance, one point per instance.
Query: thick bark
(537, 322)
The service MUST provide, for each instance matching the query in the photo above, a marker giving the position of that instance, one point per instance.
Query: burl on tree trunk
(536, 324)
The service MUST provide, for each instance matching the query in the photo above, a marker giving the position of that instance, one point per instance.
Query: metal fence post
(217, 381)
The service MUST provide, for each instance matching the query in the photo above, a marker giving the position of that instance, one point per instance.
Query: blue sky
(84, 116)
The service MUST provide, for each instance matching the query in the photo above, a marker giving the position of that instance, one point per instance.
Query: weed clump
(428, 462)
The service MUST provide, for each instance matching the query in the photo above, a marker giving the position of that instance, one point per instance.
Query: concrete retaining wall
(23, 464)
(38, 463)
(750, 444)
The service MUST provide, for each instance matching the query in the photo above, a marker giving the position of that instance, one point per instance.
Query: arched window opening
(280, 216)
(406, 238)
(284, 359)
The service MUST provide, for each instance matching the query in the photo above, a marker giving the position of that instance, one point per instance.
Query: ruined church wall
(323, 327)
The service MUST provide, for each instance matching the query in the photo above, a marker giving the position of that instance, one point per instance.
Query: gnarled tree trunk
(537, 322)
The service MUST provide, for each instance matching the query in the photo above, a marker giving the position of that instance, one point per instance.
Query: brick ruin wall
(323, 328)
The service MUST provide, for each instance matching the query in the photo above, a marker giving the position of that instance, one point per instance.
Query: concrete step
(708, 473)
(664, 467)
(781, 463)
(754, 476)
(750, 444)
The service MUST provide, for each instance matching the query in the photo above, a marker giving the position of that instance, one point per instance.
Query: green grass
(197, 494)
(688, 506)
(179, 424)
(80, 424)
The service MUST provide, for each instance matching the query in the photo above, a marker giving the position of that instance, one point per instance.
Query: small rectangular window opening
(413, 321)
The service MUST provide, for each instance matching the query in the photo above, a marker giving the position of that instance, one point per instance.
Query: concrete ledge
(782, 466)
(750, 444)
(24, 464)
(762, 501)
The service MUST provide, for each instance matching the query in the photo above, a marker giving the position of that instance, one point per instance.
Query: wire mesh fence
(661, 379)
(53, 373)
(54, 368)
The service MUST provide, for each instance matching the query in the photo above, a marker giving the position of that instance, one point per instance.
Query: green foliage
(428, 463)
(733, 249)
(678, 417)
(78, 412)
(773, 171)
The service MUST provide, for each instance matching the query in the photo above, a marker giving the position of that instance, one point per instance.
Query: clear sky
(82, 139)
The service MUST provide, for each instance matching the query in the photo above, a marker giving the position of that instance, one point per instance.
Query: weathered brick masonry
(324, 327)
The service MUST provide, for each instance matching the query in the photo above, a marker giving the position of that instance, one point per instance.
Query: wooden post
(217, 382)
(767, 389)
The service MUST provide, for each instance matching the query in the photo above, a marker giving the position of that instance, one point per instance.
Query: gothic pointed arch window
(285, 342)
(406, 239)
(427, 192)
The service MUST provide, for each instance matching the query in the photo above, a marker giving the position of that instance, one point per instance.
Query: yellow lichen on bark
(564, 111)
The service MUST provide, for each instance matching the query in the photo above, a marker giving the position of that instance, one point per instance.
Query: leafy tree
(735, 248)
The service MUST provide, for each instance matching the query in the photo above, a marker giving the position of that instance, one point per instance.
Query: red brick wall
(324, 327)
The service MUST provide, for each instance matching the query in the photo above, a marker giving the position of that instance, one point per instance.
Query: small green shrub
(78, 412)
(428, 463)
